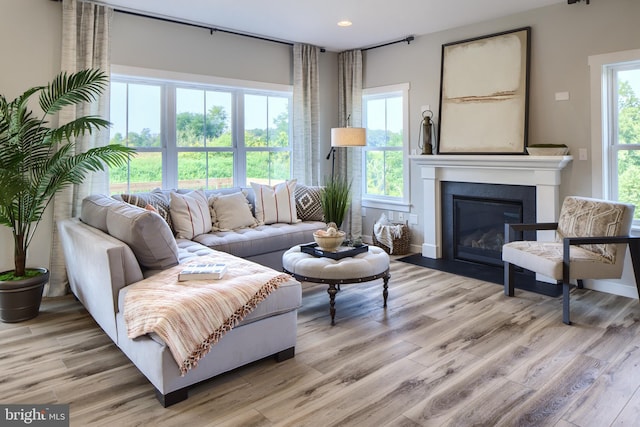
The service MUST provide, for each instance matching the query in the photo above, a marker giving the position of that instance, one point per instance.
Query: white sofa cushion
(146, 233)
(263, 239)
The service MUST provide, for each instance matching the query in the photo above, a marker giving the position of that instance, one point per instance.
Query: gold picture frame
(484, 94)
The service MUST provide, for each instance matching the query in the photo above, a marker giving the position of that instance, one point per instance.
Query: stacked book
(202, 272)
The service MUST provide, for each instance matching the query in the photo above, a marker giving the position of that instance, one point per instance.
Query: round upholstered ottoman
(363, 267)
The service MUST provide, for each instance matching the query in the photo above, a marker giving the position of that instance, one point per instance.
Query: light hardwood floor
(447, 351)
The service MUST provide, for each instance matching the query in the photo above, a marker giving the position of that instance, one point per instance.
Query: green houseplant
(335, 199)
(36, 161)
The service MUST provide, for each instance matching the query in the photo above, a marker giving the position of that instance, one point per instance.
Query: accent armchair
(591, 240)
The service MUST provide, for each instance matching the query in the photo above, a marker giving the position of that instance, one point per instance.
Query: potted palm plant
(36, 161)
(335, 199)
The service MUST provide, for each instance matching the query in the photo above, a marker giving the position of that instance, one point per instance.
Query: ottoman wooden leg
(385, 289)
(332, 301)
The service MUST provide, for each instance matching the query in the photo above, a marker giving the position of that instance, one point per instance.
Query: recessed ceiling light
(345, 23)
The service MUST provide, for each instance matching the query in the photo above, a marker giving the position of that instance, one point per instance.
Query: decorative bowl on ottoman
(330, 239)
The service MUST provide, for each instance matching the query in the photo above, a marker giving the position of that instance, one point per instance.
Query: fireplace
(473, 218)
(541, 172)
(541, 175)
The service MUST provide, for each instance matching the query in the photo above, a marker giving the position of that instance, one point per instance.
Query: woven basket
(400, 244)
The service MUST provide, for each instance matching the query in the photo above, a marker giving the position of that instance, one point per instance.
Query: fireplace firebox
(473, 218)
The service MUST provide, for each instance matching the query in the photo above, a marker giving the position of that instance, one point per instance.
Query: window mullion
(169, 143)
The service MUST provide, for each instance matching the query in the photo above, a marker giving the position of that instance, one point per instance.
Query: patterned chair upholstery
(591, 240)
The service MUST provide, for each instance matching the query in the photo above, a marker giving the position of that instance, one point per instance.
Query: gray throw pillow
(146, 233)
(157, 199)
(94, 210)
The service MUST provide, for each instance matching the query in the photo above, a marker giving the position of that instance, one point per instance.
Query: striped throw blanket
(192, 316)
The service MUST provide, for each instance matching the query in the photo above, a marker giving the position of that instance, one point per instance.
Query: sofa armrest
(98, 266)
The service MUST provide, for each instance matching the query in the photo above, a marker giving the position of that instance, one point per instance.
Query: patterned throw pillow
(275, 204)
(157, 199)
(308, 205)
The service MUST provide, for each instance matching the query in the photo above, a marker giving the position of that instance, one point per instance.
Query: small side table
(364, 267)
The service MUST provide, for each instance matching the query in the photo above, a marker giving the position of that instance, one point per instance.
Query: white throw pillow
(230, 212)
(190, 214)
(275, 203)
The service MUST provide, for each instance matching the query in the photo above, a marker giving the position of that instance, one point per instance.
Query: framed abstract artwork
(484, 94)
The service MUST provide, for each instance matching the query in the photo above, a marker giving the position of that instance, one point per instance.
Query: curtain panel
(85, 44)
(306, 115)
(349, 162)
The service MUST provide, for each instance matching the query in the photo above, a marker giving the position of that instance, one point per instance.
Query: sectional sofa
(116, 243)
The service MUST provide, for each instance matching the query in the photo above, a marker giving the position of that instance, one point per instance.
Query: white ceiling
(315, 22)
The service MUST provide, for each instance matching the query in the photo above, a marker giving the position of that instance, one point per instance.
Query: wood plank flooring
(448, 350)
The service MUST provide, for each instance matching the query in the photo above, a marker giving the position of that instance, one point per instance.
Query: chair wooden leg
(634, 250)
(566, 281)
(566, 287)
(508, 279)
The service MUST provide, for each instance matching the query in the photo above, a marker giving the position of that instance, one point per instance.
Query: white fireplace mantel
(543, 172)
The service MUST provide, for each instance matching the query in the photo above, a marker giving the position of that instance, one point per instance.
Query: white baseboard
(612, 287)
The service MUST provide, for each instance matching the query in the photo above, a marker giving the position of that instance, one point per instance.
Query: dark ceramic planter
(20, 299)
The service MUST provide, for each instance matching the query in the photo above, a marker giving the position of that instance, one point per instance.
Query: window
(620, 89)
(191, 133)
(385, 113)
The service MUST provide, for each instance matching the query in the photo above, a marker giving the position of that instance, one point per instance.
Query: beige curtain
(85, 44)
(306, 116)
(349, 160)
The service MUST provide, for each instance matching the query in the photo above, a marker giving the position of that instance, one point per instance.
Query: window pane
(278, 122)
(629, 106)
(267, 167)
(255, 121)
(143, 124)
(394, 122)
(375, 172)
(118, 113)
(190, 118)
(629, 178)
(394, 181)
(220, 170)
(192, 170)
(144, 173)
(218, 119)
(376, 123)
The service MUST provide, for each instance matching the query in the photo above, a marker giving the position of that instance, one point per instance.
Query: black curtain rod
(211, 29)
(408, 39)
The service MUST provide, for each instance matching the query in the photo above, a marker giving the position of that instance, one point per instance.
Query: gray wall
(31, 31)
(562, 38)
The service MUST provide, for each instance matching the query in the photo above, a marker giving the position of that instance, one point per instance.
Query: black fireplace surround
(473, 218)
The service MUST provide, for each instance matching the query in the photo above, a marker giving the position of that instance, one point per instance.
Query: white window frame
(170, 81)
(402, 204)
(604, 132)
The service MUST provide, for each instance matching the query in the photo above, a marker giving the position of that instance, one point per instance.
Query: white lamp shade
(348, 137)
